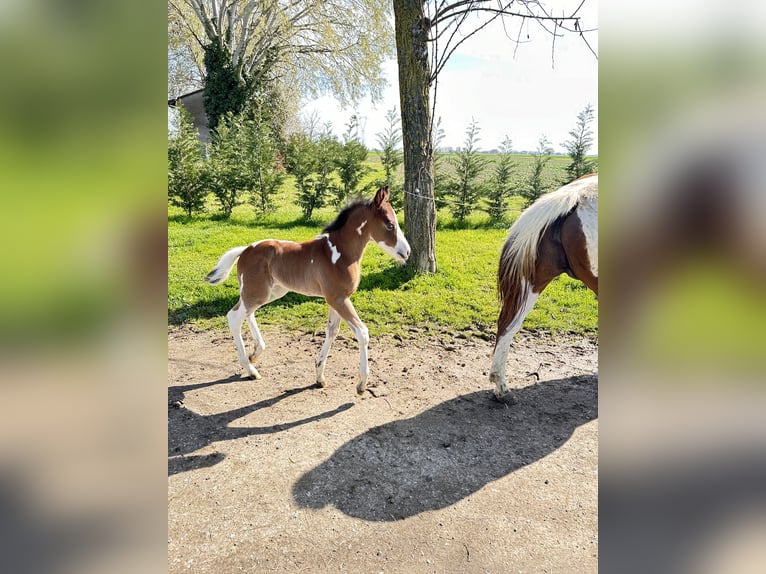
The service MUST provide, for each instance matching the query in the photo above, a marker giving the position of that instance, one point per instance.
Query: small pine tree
(300, 158)
(325, 152)
(187, 170)
(225, 163)
(578, 146)
(262, 165)
(349, 161)
(389, 141)
(465, 187)
(311, 161)
(501, 186)
(535, 186)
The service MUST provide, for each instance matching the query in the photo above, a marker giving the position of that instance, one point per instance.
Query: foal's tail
(519, 254)
(221, 271)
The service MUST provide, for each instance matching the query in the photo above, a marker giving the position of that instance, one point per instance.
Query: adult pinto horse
(557, 234)
(328, 266)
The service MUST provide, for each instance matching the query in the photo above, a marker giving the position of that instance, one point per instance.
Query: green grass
(460, 297)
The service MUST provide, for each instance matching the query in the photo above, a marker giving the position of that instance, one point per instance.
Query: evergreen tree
(311, 161)
(577, 147)
(349, 161)
(501, 186)
(535, 186)
(300, 160)
(262, 162)
(187, 171)
(465, 188)
(390, 140)
(226, 178)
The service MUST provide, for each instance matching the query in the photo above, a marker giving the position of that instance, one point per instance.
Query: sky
(524, 95)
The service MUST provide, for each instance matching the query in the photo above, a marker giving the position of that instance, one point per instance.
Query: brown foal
(328, 266)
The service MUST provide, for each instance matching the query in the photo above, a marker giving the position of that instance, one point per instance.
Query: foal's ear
(381, 196)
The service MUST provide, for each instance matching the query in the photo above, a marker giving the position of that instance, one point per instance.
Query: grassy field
(460, 297)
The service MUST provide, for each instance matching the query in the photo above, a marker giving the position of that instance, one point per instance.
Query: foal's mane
(343, 216)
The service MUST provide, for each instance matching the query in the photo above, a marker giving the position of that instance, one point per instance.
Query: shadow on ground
(437, 458)
(189, 431)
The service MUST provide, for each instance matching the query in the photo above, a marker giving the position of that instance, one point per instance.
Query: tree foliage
(349, 161)
(501, 185)
(263, 163)
(390, 140)
(465, 188)
(226, 158)
(287, 48)
(224, 93)
(244, 159)
(311, 160)
(187, 173)
(578, 146)
(535, 185)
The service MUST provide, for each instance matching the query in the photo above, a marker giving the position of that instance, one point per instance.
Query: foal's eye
(389, 226)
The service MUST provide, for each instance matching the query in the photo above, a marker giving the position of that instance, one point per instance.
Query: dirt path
(424, 473)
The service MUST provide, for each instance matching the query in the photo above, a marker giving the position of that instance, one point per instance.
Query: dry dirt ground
(424, 473)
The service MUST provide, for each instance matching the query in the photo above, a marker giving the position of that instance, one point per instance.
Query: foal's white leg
(503, 346)
(236, 317)
(277, 291)
(333, 325)
(260, 344)
(363, 338)
(348, 314)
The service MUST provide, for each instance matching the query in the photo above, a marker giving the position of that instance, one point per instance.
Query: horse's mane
(342, 218)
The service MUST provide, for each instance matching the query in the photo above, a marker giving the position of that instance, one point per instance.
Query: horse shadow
(189, 431)
(441, 456)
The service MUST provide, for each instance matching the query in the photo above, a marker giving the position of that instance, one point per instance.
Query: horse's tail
(519, 254)
(221, 271)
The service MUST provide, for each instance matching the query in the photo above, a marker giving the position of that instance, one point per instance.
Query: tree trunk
(414, 84)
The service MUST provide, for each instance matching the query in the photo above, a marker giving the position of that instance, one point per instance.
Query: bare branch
(503, 12)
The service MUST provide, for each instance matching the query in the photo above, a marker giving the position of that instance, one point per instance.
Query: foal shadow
(437, 458)
(189, 431)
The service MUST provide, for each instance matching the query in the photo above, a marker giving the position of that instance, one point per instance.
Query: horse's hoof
(360, 389)
(507, 399)
(322, 383)
(254, 374)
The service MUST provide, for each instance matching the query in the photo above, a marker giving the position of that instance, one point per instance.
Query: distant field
(460, 297)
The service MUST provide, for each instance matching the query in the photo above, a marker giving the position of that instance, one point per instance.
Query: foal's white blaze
(359, 229)
(335, 253)
(587, 212)
(401, 250)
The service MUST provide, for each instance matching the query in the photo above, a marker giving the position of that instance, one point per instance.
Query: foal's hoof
(507, 398)
(360, 388)
(253, 373)
(322, 383)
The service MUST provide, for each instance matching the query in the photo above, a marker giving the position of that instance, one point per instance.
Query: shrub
(187, 171)
(500, 186)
